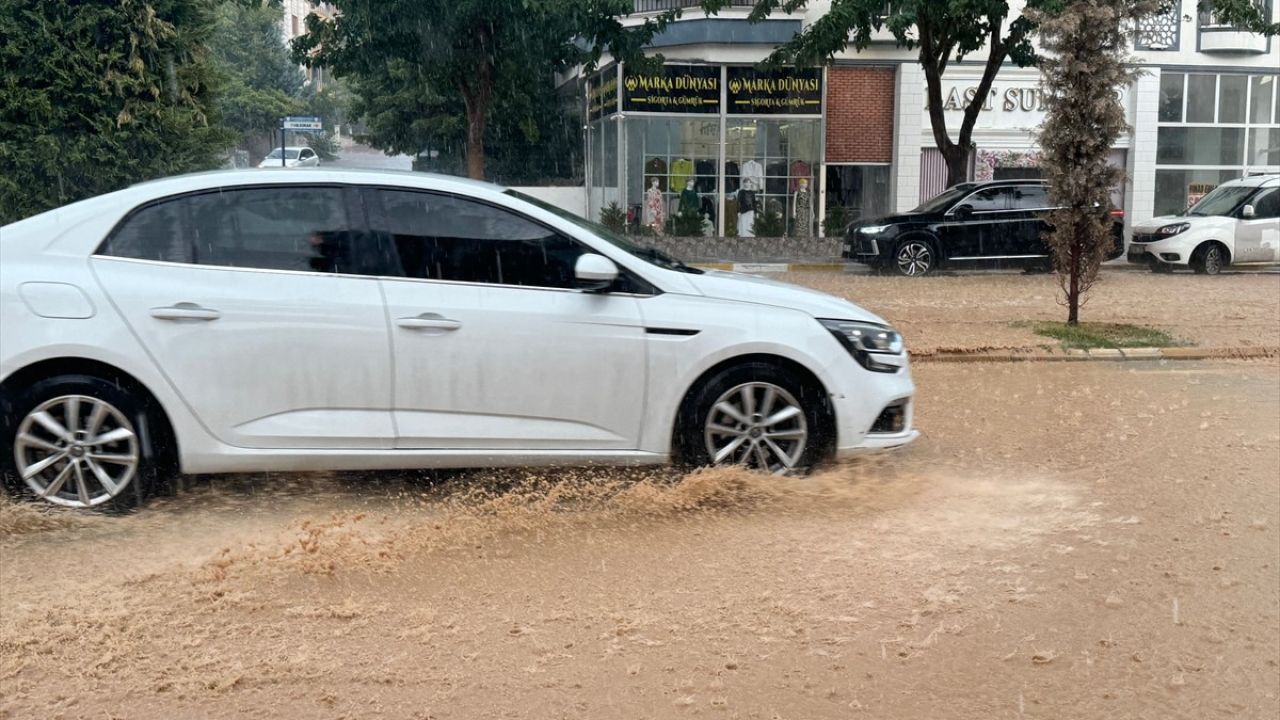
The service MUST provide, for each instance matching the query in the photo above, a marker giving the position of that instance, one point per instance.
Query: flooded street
(1066, 540)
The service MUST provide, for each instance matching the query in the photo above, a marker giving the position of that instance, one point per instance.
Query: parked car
(1237, 223)
(970, 225)
(294, 157)
(245, 321)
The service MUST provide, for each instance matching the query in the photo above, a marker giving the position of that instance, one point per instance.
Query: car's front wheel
(914, 257)
(78, 441)
(756, 415)
(1208, 259)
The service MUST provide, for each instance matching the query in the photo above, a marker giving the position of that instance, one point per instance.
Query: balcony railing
(646, 6)
(1218, 37)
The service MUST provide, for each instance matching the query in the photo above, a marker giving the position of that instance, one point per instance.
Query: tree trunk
(1073, 288)
(475, 139)
(957, 157)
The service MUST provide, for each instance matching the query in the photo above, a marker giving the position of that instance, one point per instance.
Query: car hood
(740, 287)
(1197, 222)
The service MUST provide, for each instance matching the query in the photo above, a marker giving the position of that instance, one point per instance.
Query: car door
(256, 305)
(307, 158)
(1258, 238)
(1021, 237)
(969, 224)
(493, 347)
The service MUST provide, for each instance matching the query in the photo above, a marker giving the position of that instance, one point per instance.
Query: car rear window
(155, 232)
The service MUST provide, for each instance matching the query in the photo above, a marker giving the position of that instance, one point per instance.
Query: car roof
(1263, 180)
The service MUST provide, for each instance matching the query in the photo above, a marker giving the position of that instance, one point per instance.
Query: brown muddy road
(1066, 541)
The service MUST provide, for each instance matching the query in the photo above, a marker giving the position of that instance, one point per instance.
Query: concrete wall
(573, 199)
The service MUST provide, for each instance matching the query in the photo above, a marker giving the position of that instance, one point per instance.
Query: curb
(755, 268)
(1098, 354)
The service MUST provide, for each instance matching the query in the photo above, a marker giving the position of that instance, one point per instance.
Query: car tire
(1209, 259)
(914, 257)
(55, 454)
(758, 415)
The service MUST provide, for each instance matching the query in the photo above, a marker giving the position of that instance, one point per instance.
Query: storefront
(707, 149)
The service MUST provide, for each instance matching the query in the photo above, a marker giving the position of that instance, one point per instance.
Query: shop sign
(1008, 106)
(1196, 191)
(673, 89)
(602, 95)
(786, 91)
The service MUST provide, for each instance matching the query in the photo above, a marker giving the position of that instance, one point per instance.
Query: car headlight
(1171, 230)
(873, 229)
(875, 347)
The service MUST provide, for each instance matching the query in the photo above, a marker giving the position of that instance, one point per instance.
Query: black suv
(971, 225)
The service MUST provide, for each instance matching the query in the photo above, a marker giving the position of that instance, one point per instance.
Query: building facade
(745, 146)
(293, 23)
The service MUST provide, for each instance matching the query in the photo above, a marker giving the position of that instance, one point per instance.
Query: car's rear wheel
(759, 416)
(914, 257)
(1208, 259)
(81, 442)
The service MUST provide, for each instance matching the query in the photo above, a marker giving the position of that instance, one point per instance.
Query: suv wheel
(755, 415)
(1208, 259)
(80, 442)
(914, 258)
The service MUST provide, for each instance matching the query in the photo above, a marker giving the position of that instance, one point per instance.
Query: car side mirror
(594, 273)
(1247, 212)
(962, 211)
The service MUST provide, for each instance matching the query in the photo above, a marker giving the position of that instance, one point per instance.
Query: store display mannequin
(654, 213)
(689, 198)
(752, 182)
(802, 204)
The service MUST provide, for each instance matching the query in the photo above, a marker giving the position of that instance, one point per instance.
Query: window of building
(766, 162)
(1213, 128)
(861, 191)
(442, 237)
(672, 152)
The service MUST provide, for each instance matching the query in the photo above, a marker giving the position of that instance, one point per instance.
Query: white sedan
(244, 321)
(294, 157)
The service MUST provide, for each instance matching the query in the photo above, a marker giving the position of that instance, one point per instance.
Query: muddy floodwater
(1073, 540)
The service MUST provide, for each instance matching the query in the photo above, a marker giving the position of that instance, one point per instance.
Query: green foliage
(687, 223)
(99, 94)
(1083, 71)
(446, 75)
(1104, 335)
(614, 217)
(836, 221)
(769, 221)
(1248, 14)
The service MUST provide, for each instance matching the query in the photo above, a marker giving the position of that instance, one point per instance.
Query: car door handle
(185, 311)
(428, 321)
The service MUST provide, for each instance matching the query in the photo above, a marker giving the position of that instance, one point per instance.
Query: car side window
(306, 154)
(1267, 204)
(274, 228)
(988, 199)
(155, 232)
(444, 237)
(1029, 197)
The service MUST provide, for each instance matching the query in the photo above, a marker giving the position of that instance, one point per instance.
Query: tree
(942, 31)
(486, 54)
(99, 94)
(1086, 65)
(261, 83)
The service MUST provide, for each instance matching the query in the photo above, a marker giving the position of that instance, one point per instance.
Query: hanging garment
(752, 175)
(655, 215)
(775, 182)
(681, 173)
(706, 171)
(689, 201)
(708, 207)
(732, 180)
(804, 213)
(746, 212)
(656, 168)
(800, 170)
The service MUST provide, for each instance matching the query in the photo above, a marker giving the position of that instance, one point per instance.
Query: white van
(1237, 223)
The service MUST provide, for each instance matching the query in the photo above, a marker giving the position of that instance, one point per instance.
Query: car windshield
(649, 254)
(946, 198)
(1221, 201)
(291, 154)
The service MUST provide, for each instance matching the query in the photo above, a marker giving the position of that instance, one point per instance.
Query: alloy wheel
(914, 258)
(759, 425)
(77, 451)
(1212, 260)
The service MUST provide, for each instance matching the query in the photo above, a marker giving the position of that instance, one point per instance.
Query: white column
(1142, 153)
(907, 117)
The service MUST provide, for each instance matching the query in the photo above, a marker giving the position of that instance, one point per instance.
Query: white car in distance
(241, 321)
(294, 157)
(1236, 223)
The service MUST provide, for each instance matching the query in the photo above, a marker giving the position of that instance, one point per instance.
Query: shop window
(1171, 86)
(1263, 87)
(674, 153)
(1200, 146)
(1264, 146)
(1231, 98)
(767, 162)
(1201, 98)
(859, 192)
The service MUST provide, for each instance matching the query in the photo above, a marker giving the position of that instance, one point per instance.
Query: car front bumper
(1171, 251)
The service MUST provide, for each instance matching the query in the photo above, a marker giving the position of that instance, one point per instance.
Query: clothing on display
(776, 178)
(689, 199)
(657, 168)
(799, 171)
(655, 215)
(803, 203)
(746, 211)
(681, 172)
(752, 175)
(706, 171)
(732, 181)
